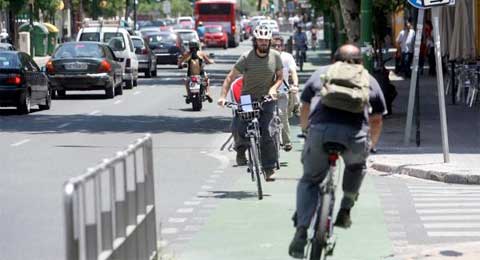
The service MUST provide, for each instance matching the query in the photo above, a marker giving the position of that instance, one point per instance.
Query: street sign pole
(441, 94)
(413, 80)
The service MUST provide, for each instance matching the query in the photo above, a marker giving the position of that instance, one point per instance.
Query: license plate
(161, 51)
(76, 66)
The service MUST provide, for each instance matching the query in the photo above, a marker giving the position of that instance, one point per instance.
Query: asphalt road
(193, 179)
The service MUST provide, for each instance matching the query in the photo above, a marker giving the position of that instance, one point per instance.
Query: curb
(446, 177)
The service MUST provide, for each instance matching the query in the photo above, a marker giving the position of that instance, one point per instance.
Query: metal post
(441, 94)
(71, 247)
(413, 81)
(366, 32)
(135, 2)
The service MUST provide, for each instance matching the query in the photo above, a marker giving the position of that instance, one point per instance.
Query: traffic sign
(167, 7)
(425, 4)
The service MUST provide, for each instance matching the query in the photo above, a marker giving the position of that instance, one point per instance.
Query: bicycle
(253, 134)
(275, 130)
(301, 56)
(322, 242)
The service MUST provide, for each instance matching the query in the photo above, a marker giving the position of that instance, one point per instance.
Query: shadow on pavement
(238, 195)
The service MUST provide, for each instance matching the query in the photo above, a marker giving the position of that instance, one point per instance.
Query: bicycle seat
(333, 147)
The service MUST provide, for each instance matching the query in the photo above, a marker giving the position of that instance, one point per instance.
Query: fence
(110, 210)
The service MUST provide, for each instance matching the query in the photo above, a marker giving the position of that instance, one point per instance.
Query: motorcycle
(196, 92)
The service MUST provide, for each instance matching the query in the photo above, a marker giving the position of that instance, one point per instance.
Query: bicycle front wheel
(324, 215)
(256, 166)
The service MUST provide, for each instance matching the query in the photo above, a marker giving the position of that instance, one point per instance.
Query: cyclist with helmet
(195, 66)
(262, 75)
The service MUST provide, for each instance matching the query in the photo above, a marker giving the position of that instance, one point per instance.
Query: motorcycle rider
(262, 71)
(195, 66)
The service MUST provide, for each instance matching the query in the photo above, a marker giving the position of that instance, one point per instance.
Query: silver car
(147, 62)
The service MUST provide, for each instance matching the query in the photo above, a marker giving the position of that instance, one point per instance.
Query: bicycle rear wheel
(254, 152)
(324, 215)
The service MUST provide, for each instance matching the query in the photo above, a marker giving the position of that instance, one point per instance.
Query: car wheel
(119, 89)
(110, 91)
(61, 93)
(25, 103)
(48, 101)
(129, 84)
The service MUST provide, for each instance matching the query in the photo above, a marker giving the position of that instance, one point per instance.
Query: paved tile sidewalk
(426, 161)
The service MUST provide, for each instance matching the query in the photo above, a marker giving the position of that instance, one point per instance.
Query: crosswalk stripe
(447, 225)
(450, 218)
(469, 187)
(446, 191)
(459, 198)
(454, 234)
(446, 205)
(447, 211)
(445, 195)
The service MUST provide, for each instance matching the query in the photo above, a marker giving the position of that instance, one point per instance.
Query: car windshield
(90, 36)
(213, 29)
(187, 36)
(137, 43)
(78, 50)
(8, 60)
(159, 39)
(110, 35)
(158, 23)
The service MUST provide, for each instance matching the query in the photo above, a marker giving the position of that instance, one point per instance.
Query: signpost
(167, 7)
(421, 5)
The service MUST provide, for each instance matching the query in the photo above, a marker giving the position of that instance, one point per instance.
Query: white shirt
(406, 41)
(289, 64)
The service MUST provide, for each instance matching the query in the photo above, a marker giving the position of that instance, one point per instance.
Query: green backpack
(346, 87)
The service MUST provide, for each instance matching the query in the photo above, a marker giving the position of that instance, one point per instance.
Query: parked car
(22, 83)
(123, 49)
(147, 62)
(187, 35)
(6, 47)
(166, 46)
(85, 66)
(215, 35)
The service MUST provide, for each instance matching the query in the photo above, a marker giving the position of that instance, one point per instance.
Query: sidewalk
(426, 161)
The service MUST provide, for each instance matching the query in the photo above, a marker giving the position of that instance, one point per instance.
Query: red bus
(222, 12)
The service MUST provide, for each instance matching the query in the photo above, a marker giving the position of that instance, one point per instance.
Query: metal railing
(110, 210)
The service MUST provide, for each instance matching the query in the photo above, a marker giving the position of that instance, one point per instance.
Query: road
(205, 207)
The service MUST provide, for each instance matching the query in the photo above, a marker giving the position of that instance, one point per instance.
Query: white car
(272, 24)
(187, 35)
(119, 39)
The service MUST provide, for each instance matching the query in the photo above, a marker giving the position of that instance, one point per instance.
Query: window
(213, 29)
(215, 9)
(78, 50)
(137, 43)
(92, 37)
(188, 36)
(158, 39)
(9, 60)
(109, 35)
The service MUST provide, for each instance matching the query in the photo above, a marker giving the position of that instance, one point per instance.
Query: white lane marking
(266, 245)
(206, 187)
(447, 205)
(211, 181)
(437, 195)
(117, 102)
(136, 93)
(218, 171)
(183, 238)
(64, 125)
(399, 234)
(177, 220)
(169, 230)
(24, 141)
(214, 176)
(162, 243)
(203, 193)
(447, 211)
(185, 210)
(94, 112)
(198, 198)
(450, 217)
(442, 225)
(454, 234)
(446, 199)
(193, 228)
(191, 203)
(152, 86)
(209, 206)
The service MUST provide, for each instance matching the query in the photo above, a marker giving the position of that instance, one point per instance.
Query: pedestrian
(334, 121)
(406, 40)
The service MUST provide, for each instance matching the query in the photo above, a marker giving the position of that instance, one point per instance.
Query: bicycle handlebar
(264, 99)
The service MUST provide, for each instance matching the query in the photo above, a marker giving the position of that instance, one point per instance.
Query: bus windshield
(214, 9)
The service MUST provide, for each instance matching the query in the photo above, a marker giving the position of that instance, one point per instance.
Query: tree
(350, 10)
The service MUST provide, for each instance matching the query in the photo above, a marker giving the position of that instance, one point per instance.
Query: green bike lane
(246, 228)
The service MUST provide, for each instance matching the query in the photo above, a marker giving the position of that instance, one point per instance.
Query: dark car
(22, 83)
(85, 66)
(147, 62)
(166, 46)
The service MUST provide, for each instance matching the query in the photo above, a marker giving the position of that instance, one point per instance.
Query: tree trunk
(351, 18)
(259, 6)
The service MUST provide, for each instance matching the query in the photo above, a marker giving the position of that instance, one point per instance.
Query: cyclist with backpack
(335, 105)
(262, 73)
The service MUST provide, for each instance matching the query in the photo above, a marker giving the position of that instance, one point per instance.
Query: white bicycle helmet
(262, 32)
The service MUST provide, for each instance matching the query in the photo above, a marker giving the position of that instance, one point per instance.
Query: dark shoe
(343, 218)
(297, 246)
(287, 147)
(373, 150)
(241, 159)
(268, 174)
(209, 98)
